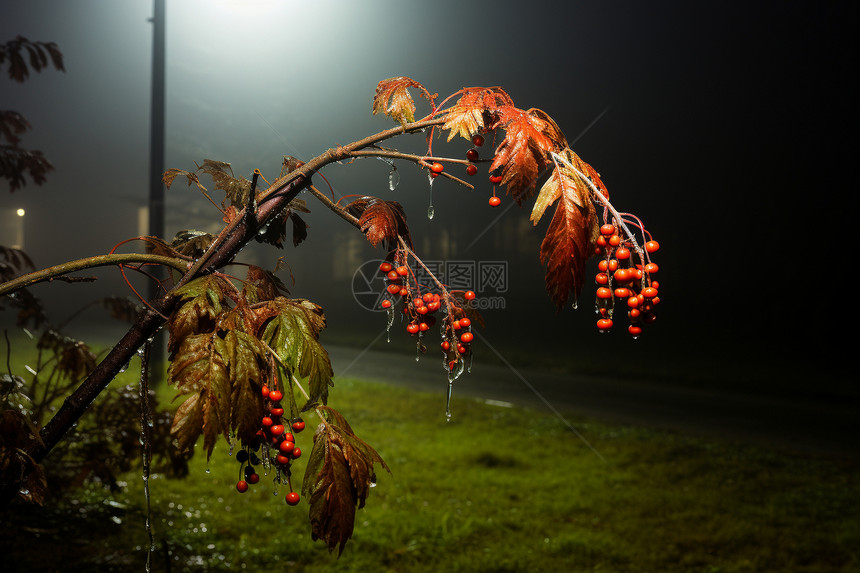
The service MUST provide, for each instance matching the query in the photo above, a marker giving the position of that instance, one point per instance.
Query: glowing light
(20, 212)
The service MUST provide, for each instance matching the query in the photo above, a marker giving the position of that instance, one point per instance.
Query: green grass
(496, 489)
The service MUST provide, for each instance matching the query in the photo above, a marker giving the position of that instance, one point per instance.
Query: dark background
(730, 128)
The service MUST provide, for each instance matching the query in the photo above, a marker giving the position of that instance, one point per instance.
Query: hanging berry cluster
(625, 277)
(420, 308)
(276, 443)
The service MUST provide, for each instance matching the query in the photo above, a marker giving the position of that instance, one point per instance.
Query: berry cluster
(622, 280)
(274, 443)
(420, 311)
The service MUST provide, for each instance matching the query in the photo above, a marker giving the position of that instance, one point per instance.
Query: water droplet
(431, 212)
(393, 178)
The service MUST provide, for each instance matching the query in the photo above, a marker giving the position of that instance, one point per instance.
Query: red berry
(402, 270)
(265, 391)
(277, 411)
(471, 169)
(621, 275)
(412, 328)
(293, 498)
(469, 295)
(472, 155)
(298, 426)
(385, 267)
(254, 478)
(385, 304)
(495, 179)
(267, 421)
(242, 486)
(297, 453)
(276, 430)
(467, 337)
(288, 437)
(607, 229)
(634, 330)
(465, 322)
(393, 276)
(604, 324)
(622, 292)
(495, 201)
(604, 293)
(601, 278)
(461, 349)
(652, 268)
(652, 246)
(477, 140)
(393, 289)
(446, 345)
(622, 254)
(286, 447)
(437, 168)
(614, 240)
(633, 302)
(649, 292)
(276, 395)
(282, 459)
(423, 326)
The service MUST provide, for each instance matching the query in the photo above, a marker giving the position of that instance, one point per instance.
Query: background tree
(19, 57)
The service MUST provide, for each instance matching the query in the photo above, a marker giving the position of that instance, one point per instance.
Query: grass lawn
(496, 489)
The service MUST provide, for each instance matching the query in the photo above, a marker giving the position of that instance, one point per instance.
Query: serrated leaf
(393, 99)
(381, 220)
(338, 477)
(200, 365)
(201, 302)
(477, 109)
(570, 237)
(247, 362)
(292, 330)
(530, 137)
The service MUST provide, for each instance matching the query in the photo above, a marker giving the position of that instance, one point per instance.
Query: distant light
(20, 212)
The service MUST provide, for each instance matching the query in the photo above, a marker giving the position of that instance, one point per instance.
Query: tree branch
(58, 271)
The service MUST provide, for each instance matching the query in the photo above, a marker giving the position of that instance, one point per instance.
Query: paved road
(808, 427)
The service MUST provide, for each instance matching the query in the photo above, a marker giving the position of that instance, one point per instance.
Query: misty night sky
(730, 128)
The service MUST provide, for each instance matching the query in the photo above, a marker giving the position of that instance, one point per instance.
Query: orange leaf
(477, 108)
(392, 98)
(568, 243)
(530, 136)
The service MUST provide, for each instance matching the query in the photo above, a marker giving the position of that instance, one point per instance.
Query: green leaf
(293, 333)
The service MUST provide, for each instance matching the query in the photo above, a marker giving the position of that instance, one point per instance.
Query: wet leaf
(201, 301)
(338, 477)
(530, 137)
(477, 109)
(381, 220)
(571, 235)
(292, 328)
(393, 99)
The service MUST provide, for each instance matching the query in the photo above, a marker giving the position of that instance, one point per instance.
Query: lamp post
(156, 157)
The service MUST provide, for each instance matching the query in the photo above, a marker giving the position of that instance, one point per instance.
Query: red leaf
(530, 137)
(380, 220)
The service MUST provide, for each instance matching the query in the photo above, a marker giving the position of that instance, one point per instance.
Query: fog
(729, 128)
